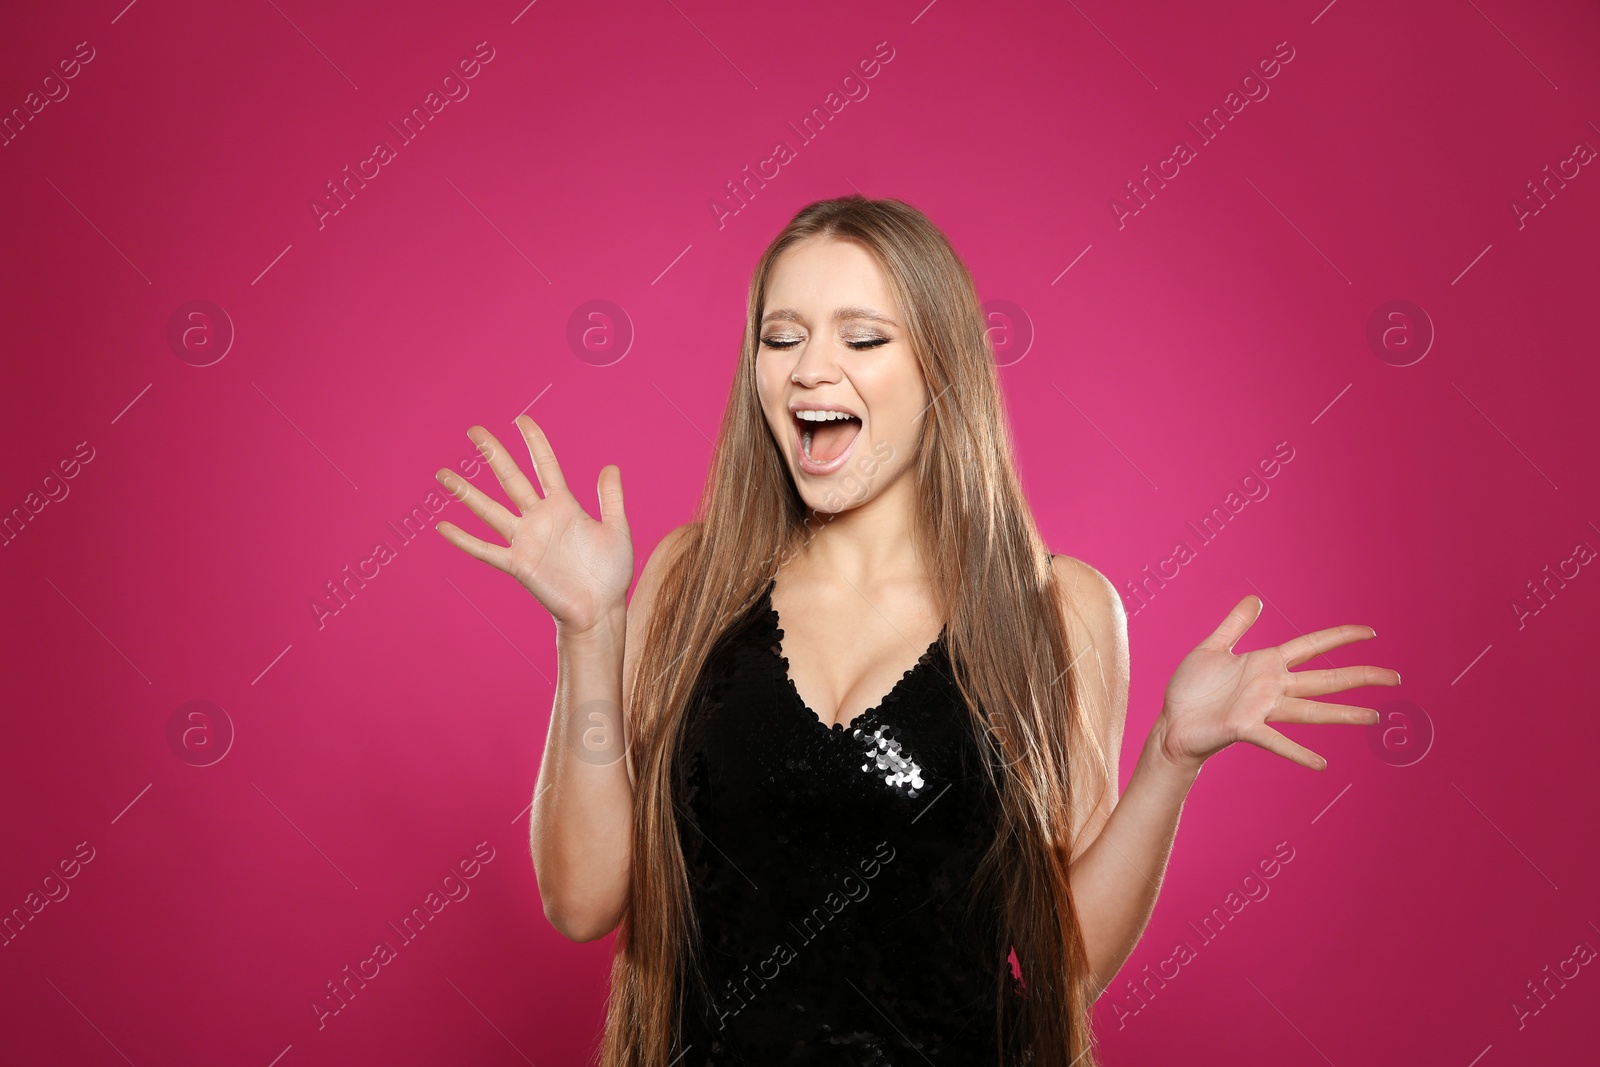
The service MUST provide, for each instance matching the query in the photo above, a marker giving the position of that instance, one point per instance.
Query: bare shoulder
(1087, 591)
(1090, 601)
(1097, 626)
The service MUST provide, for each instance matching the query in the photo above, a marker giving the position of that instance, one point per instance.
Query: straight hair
(1007, 638)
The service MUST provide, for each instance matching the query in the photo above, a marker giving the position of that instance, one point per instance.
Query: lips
(832, 442)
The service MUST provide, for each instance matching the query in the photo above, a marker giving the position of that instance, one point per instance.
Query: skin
(861, 569)
(861, 563)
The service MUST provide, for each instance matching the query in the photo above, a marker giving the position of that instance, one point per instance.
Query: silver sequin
(883, 754)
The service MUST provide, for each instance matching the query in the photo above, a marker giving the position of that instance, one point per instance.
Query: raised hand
(1216, 698)
(579, 569)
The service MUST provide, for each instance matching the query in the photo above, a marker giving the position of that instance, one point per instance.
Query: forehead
(819, 278)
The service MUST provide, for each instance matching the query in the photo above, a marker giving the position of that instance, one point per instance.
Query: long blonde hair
(1006, 637)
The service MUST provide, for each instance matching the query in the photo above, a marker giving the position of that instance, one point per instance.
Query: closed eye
(859, 346)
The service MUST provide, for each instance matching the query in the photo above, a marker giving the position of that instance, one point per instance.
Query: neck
(867, 544)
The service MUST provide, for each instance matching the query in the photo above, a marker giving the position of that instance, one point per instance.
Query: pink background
(372, 753)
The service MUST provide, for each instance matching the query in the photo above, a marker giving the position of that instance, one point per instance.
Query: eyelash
(859, 346)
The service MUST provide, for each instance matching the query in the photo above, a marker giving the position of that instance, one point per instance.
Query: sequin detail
(830, 869)
(883, 754)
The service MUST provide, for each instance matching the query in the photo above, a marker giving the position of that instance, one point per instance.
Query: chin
(830, 501)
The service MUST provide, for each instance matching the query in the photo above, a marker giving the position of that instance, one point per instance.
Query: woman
(862, 806)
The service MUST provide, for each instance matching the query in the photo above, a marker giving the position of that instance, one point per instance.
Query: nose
(816, 366)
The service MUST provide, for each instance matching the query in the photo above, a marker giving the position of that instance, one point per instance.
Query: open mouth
(823, 444)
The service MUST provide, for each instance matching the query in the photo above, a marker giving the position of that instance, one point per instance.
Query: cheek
(897, 421)
(772, 377)
(769, 386)
(895, 391)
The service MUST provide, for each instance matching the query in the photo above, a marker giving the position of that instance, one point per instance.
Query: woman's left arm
(1214, 699)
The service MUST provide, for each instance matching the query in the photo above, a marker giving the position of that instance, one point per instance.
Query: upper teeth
(822, 416)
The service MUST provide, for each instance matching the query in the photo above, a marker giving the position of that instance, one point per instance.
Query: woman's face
(832, 339)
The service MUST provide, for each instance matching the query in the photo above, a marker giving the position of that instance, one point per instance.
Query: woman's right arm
(583, 811)
(579, 570)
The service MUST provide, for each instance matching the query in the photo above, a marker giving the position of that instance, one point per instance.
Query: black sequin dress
(831, 869)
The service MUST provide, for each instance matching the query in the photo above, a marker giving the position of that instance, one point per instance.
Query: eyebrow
(853, 311)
